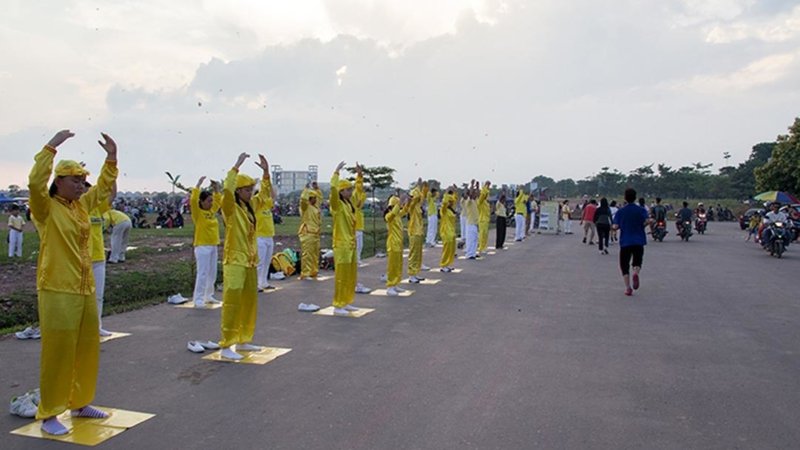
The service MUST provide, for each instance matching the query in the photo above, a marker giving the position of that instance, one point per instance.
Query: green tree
(782, 171)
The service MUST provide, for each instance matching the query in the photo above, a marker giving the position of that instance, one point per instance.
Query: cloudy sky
(446, 89)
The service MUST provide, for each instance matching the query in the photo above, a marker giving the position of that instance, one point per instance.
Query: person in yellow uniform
(99, 254)
(433, 218)
(120, 231)
(393, 215)
(240, 276)
(310, 226)
(520, 210)
(204, 206)
(265, 231)
(416, 234)
(484, 216)
(65, 284)
(447, 229)
(473, 217)
(462, 216)
(358, 199)
(15, 236)
(344, 243)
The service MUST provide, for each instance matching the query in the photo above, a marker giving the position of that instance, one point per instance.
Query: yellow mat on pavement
(190, 305)
(263, 356)
(329, 312)
(425, 281)
(114, 335)
(382, 293)
(89, 432)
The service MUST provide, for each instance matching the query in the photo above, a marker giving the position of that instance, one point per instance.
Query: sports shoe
(384, 277)
(195, 347)
(424, 267)
(340, 312)
(635, 280)
(307, 307)
(248, 348)
(213, 300)
(361, 289)
(351, 308)
(177, 299)
(28, 333)
(199, 304)
(23, 406)
(392, 292)
(105, 333)
(605, 250)
(446, 270)
(399, 289)
(628, 292)
(277, 276)
(209, 345)
(414, 280)
(227, 353)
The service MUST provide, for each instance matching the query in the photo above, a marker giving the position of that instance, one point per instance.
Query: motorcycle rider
(774, 215)
(659, 214)
(684, 215)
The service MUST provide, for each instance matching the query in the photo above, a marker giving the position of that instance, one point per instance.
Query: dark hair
(604, 202)
(593, 201)
(658, 199)
(14, 207)
(239, 201)
(203, 196)
(685, 204)
(613, 203)
(502, 198)
(630, 195)
(641, 201)
(53, 189)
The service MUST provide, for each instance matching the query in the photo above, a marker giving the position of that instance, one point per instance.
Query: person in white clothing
(471, 210)
(433, 218)
(120, 229)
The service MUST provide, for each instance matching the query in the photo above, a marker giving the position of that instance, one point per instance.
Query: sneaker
(23, 406)
(392, 292)
(361, 289)
(28, 333)
(628, 292)
(105, 333)
(248, 348)
(277, 276)
(605, 250)
(195, 347)
(307, 307)
(384, 278)
(446, 270)
(635, 281)
(584, 240)
(424, 267)
(227, 353)
(176, 299)
(199, 304)
(340, 312)
(414, 280)
(399, 289)
(351, 308)
(209, 345)
(213, 300)
(602, 252)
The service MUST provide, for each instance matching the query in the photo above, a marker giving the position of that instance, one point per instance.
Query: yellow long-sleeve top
(484, 211)
(471, 211)
(65, 260)
(206, 225)
(358, 199)
(394, 226)
(344, 218)
(432, 203)
(240, 224)
(310, 217)
(519, 203)
(500, 209)
(114, 216)
(265, 225)
(96, 218)
(415, 227)
(447, 224)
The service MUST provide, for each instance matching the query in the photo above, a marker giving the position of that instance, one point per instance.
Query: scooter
(777, 238)
(701, 223)
(685, 230)
(660, 231)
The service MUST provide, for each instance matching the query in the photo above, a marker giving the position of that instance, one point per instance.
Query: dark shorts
(626, 253)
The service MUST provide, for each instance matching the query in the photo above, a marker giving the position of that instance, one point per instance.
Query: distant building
(287, 181)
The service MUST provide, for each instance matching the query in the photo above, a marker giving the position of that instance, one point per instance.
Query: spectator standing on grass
(15, 224)
(631, 221)
(121, 226)
(66, 302)
(203, 206)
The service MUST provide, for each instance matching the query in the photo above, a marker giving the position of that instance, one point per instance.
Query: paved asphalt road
(535, 347)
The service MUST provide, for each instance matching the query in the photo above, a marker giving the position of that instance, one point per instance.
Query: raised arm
(40, 175)
(333, 201)
(229, 186)
(106, 182)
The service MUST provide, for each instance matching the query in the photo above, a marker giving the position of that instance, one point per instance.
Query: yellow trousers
(483, 236)
(239, 304)
(70, 351)
(394, 268)
(415, 254)
(346, 273)
(448, 252)
(309, 257)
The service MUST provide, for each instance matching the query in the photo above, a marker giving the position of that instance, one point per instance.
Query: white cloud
(781, 28)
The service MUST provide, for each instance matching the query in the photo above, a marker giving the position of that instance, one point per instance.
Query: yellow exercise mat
(363, 264)
(319, 278)
(263, 356)
(329, 312)
(89, 432)
(439, 269)
(425, 281)
(382, 293)
(190, 305)
(114, 335)
(274, 289)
